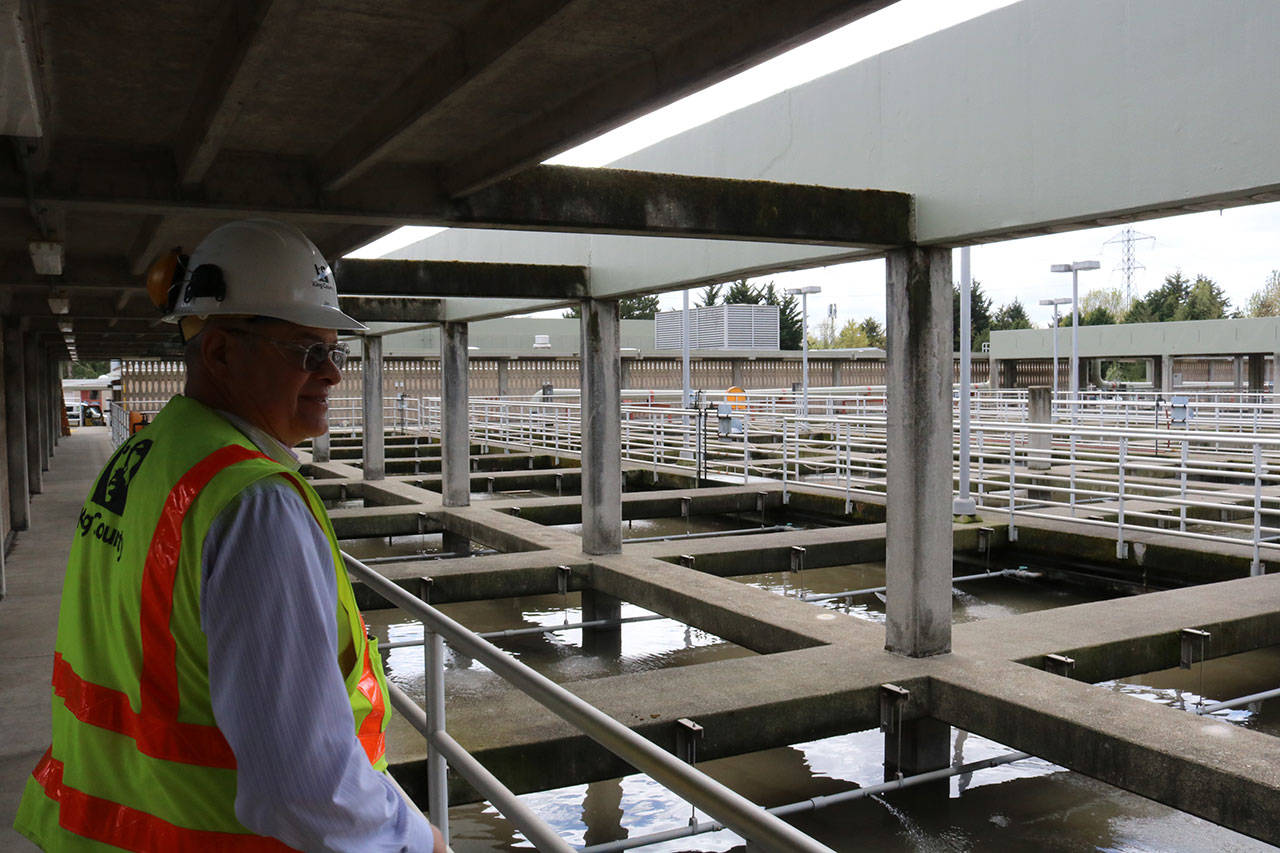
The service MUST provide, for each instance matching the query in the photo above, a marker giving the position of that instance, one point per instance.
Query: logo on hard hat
(322, 279)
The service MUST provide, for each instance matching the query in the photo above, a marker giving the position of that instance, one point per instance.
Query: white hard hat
(264, 268)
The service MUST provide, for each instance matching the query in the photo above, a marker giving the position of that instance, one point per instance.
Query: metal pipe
(1237, 702)
(813, 803)
(550, 629)
(708, 534)
(513, 809)
(830, 596)
(413, 558)
(437, 768)
(735, 811)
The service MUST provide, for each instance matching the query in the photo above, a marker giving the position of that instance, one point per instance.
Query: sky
(1236, 247)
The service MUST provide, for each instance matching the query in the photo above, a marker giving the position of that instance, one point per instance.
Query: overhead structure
(421, 112)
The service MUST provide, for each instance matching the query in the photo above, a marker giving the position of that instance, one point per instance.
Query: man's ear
(214, 346)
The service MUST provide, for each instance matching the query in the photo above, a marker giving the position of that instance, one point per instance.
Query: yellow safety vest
(137, 760)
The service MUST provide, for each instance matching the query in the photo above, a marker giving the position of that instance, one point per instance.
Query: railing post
(1013, 485)
(1255, 568)
(1122, 550)
(1182, 490)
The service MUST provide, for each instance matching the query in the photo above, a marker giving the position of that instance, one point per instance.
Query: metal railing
(1123, 466)
(724, 805)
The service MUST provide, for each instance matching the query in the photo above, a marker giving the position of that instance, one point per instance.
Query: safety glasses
(313, 355)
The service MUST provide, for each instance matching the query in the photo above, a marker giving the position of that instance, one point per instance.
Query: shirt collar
(265, 442)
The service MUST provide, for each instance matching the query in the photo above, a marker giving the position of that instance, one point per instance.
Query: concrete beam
(918, 489)
(103, 178)
(450, 278)
(391, 309)
(374, 463)
(621, 201)
(240, 56)
(1206, 767)
(601, 429)
(448, 68)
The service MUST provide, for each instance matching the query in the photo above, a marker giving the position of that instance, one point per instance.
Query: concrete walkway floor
(29, 615)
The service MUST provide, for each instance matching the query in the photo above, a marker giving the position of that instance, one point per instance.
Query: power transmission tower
(1128, 257)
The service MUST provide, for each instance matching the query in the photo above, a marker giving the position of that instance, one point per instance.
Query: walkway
(29, 615)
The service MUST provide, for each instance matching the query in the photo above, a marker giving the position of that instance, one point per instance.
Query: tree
(1099, 315)
(709, 296)
(979, 315)
(1011, 316)
(1266, 302)
(790, 328)
(742, 292)
(873, 332)
(629, 308)
(87, 369)
(850, 336)
(1110, 298)
(1205, 301)
(1161, 304)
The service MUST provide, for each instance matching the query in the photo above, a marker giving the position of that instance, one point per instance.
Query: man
(213, 687)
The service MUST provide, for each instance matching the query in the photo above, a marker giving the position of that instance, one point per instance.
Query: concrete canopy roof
(134, 127)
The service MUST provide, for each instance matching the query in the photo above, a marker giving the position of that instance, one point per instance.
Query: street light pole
(1074, 269)
(1062, 300)
(804, 342)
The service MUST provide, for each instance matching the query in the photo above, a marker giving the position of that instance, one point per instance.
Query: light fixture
(46, 257)
(803, 293)
(1075, 268)
(65, 327)
(59, 302)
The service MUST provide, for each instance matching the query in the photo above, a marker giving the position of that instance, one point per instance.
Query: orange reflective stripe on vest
(113, 823)
(159, 649)
(370, 734)
(170, 739)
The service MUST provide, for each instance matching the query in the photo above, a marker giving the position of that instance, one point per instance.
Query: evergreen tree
(1099, 315)
(709, 296)
(872, 332)
(742, 292)
(629, 308)
(1205, 301)
(1161, 304)
(979, 315)
(1011, 316)
(790, 328)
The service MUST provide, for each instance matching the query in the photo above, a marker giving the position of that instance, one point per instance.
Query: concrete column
(374, 440)
(1275, 376)
(320, 447)
(504, 382)
(624, 373)
(1166, 373)
(455, 442)
(918, 494)
(5, 524)
(735, 372)
(1039, 411)
(837, 372)
(606, 642)
(15, 411)
(923, 745)
(601, 428)
(1257, 372)
(36, 425)
(1237, 372)
(1006, 372)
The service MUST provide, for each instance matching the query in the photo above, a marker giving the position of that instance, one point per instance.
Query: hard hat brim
(315, 316)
